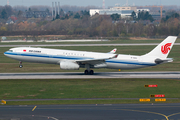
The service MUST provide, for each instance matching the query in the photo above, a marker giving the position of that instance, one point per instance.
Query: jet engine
(67, 65)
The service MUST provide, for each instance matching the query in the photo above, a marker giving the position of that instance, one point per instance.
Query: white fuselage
(55, 56)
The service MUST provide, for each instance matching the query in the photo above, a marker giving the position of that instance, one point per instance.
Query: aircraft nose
(5, 53)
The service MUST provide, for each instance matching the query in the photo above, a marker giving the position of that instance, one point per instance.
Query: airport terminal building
(123, 11)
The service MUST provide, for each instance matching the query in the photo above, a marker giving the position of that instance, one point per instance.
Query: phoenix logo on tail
(165, 48)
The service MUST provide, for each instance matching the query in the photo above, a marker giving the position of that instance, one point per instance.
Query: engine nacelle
(66, 65)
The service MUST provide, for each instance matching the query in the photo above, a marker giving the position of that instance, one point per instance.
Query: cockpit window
(10, 51)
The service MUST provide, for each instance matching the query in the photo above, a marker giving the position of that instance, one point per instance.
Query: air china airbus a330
(73, 60)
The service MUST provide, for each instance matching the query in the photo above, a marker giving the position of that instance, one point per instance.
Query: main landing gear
(86, 72)
(20, 64)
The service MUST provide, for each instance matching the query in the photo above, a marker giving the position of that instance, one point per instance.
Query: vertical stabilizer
(163, 49)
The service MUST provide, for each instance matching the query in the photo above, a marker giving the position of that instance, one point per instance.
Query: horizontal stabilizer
(159, 61)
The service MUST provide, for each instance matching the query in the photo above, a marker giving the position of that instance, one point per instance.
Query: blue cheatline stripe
(129, 62)
(77, 58)
(46, 56)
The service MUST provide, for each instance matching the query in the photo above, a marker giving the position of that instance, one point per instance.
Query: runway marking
(126, 107)
(46, 117)
(34, 108)
(173, 114)
(147, 112)
(167, 117)
(107, 104)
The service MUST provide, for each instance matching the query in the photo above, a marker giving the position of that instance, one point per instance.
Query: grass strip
(87, 88)
(96, 102)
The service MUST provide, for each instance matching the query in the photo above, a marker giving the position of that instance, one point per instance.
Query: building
(141, 10)
(11, 20)
(157, 15)
(36, 14)
(126, 8)
(123, 11)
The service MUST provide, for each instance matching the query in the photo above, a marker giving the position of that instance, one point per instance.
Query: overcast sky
(97, 3)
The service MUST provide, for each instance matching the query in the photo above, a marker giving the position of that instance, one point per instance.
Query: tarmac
(92, 112)
(80, 75)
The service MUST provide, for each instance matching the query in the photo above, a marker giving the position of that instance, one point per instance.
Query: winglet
(113, 51)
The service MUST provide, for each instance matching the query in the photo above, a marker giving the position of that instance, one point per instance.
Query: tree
(4, 14)
(133, 15)
(66, 16)
(151, 30)
(47, 10)
(61, 13)
(70, 13)
(175, 15)
(145, 16)
(30, 9)
(3, 28)
(170, 15)
(20, 13)
(57, 16)
(140, 15)
(151, 18)
(9, 10)
(115, 17)
(77, 16)
(84, 13)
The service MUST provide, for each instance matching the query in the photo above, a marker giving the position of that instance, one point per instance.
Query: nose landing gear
(20, 64)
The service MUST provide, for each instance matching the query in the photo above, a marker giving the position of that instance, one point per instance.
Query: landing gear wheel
(86, 72)
(20, 66)
(91, 72)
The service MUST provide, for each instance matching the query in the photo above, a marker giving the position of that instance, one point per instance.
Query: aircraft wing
(95, 61)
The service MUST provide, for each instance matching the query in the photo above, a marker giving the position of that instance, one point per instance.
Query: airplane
(73, 60)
